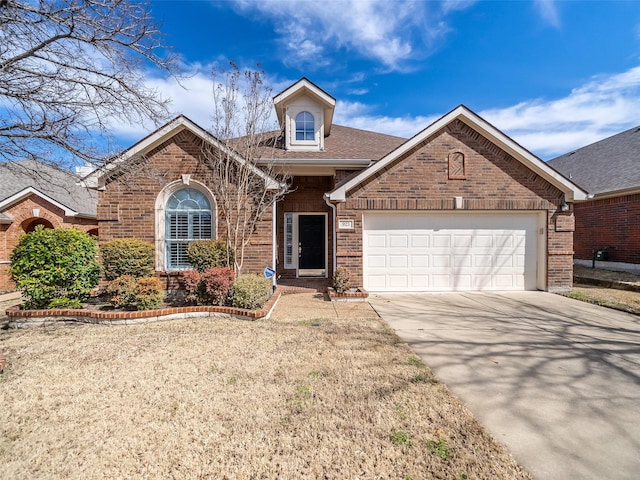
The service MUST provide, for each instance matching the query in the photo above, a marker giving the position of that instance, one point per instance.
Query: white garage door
(449, 251)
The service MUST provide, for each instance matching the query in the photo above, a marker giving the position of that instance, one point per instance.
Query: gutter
(334, 236)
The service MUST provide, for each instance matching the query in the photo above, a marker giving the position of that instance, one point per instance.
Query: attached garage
(452, 251)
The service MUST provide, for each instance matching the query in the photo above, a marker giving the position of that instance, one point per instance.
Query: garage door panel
(404, 252)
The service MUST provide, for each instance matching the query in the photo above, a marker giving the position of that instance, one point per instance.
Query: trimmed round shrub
(149, 293)
(127, 256)
(217, 282)
(251, 291)
(122, 291)
(55, 268)
(129, 292)
(205, 254)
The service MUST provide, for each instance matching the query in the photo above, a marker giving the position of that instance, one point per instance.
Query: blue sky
(553, 75)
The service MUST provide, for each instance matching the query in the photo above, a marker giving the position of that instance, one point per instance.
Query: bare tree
(69, 69)
(247, 183)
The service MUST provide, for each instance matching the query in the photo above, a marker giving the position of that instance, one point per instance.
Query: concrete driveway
(555, 380)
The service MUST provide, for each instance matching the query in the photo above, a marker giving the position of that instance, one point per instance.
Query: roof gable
(97, 178)
(572, 192)
(304, 87)
(604, 167)
(58, 187)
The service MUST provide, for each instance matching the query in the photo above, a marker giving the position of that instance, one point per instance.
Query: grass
(224, 398)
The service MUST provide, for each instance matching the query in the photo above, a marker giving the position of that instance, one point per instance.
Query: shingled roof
(343, 143)
(59, 186)
(604, 167)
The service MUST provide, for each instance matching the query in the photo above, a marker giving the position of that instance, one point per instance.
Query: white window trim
(317, 143)
(160, 220)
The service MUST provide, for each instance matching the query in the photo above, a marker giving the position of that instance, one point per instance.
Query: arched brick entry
(30, 224)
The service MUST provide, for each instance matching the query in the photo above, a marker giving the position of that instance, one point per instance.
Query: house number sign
(345, 224)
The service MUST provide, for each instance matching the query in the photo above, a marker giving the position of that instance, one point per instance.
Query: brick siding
(610, 222)
(493, 181)
(126, 207)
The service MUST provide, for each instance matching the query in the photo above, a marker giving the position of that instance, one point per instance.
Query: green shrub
(55, 267)
(127, 256)
(341, 280)
(129, 292)
(251, 291)
(205, 254)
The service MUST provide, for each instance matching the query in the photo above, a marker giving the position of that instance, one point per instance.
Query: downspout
(335, 230)
(274, 246)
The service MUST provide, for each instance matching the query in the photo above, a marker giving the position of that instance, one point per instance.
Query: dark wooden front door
(311, 242)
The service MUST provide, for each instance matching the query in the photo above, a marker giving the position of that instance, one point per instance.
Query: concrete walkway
(554, 379)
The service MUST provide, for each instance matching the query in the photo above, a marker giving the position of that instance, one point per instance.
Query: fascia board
(16, 197)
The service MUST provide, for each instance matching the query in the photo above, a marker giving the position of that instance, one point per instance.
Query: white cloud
(548, 11)
(604, 106)
(382, 30)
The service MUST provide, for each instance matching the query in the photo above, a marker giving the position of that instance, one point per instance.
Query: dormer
(305, 114)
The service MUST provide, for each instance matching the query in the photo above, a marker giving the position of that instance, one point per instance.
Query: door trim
(322, 273)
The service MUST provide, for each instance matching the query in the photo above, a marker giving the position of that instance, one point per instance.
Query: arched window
(305, 126)
(187, 219)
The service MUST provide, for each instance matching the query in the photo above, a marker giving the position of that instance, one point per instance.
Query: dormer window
(305, 126)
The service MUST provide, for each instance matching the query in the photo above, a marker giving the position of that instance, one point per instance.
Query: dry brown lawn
(318, 391)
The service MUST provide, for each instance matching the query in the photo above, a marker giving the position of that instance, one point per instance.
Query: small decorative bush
(127, 256)
(205, 254)
(217, 282)
(251, 291)
(341, 280)
(55, 268)
(192, 286)
(122, 291)
(211, 287)
(129, 292)
(149, 294)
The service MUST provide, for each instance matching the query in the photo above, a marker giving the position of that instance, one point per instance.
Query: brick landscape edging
(27, 318)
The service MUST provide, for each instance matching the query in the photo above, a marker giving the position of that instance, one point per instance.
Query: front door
(311, 245)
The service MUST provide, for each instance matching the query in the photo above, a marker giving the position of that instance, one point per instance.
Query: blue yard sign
(269, 272)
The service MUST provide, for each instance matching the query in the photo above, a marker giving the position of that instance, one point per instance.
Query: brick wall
(610, 222)
(306, 196)
(126, 207)
(22, 214)
(491, 180)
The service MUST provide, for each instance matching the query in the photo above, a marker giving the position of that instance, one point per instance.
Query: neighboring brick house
(459, 206)
(610, 219)
(32, 194)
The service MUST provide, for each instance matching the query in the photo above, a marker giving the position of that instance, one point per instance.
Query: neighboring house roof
(572, 191)
(20, 179)
(304, 86)
(604, 167)
(96, 179)
(344, 143)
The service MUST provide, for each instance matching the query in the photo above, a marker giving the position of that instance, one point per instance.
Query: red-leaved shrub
(210, 287)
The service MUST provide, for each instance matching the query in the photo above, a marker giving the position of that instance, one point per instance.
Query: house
(459, 206)
(609, 220)
(34, 193)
